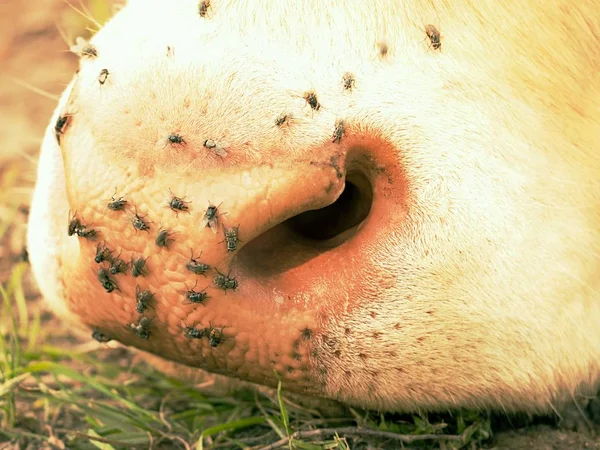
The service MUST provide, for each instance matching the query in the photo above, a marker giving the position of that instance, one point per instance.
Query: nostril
(349, 210)
(306, 236)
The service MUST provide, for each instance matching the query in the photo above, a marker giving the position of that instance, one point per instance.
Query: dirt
(544, 438)
(32, 52)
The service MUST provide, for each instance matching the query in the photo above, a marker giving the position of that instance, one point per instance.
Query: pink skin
(278, 304)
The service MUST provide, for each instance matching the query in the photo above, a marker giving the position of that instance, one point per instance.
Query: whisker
(62, 34)
(90, 18)
(36, 90)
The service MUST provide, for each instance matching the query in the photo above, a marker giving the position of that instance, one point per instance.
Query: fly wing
(221, 151)
(214, 224)
(204, 222)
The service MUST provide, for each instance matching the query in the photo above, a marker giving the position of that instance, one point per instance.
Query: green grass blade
(234, 425)
(285, 418)
(34, 331)
(15, 287)
(100, 445)
(228, 426)
(306, 445)
(10, 384)
(14, 356)
(58, 369)
(4, 358)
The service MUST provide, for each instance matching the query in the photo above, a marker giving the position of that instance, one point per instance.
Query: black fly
(103, 76)
(84, 232)
(117, 266)
(348, 81)
(193, 332)
(100, 337)
(89, 51)
(143, 298)
(139, 223)
(223, 281)
(102, 253)
(203, 7)
(196, 297)
(138, 267)
(283, 118)
(434, 36)
(193, 265)
(142, 328)
(231, 237)
(107, 283)
(211, 217)
(83, 48)
(163, 238)
(117, 204)
(74, 225)
(215, 336)
(175, 138)
(219, 149)
(338, 132)
(23, 256)
(61, 125)
(311, 99)
(177, 203)
(77, 227)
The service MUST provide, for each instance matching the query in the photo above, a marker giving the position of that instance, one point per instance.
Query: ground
(59, 389)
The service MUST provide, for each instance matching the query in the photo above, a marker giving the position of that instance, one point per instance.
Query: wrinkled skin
(472, 280)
